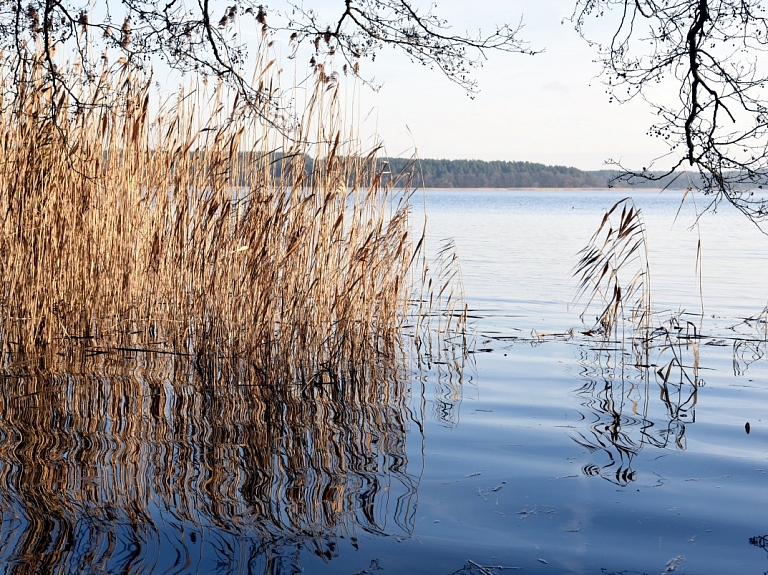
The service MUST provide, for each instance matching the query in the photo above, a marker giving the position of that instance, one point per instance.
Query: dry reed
(613, 272)
(162, 272)
(195, 230)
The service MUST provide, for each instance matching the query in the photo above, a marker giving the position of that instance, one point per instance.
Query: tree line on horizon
(441, 173)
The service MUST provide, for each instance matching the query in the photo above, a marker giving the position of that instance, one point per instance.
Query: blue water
(559, 459)
(544, 451)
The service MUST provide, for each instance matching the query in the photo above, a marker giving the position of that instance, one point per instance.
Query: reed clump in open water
(184, 231)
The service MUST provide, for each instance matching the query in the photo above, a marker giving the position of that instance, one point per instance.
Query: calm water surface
(549, 454)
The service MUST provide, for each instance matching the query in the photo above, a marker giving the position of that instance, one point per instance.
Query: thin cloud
(555, 87)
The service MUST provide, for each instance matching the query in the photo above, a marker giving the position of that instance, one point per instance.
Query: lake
(542, 450)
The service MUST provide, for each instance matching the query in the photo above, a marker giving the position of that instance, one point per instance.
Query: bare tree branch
(205, 37)
(366, 26)
(713, 53)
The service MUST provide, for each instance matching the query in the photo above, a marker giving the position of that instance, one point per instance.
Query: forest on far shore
(431, 173)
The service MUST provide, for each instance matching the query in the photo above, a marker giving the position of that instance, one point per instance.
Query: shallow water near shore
(548, 452)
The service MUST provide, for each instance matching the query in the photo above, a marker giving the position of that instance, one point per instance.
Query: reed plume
(613, 272)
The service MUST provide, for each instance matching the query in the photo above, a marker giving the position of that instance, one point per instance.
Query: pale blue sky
(548, 108)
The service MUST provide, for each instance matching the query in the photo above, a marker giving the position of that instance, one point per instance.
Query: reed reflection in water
(110, 471)
(647, 395)
(625, 416)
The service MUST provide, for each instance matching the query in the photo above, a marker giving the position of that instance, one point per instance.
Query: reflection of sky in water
(518, 250)
(553, 456)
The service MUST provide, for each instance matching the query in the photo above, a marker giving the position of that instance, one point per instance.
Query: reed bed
(196, 229)
(204, 312)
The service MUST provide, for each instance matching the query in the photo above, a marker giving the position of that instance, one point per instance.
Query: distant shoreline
(590, 189)
(478, 174)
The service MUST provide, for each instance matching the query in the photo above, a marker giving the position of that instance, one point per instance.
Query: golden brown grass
(182, 231)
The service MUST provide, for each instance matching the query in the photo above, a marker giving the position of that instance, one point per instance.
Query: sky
(550, 108)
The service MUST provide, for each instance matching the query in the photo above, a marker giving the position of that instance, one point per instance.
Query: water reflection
(620, 380)
(620, 384)
(105, 471)
(751, 343)
(760, 541)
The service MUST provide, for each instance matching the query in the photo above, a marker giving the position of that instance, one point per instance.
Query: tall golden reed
(183, 231)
